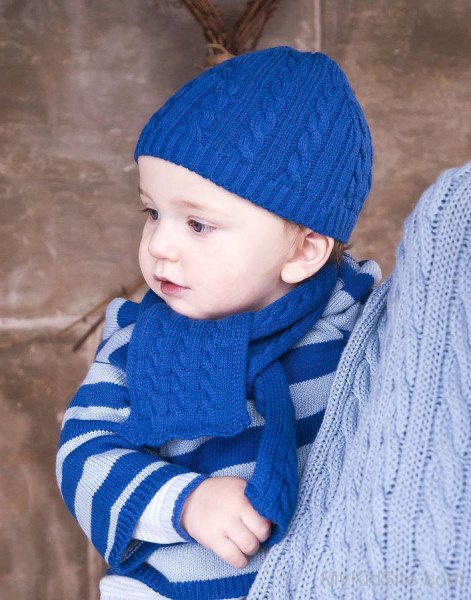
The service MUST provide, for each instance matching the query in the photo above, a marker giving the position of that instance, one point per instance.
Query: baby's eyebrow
(144, 193)
(186, 203)
(190, 204)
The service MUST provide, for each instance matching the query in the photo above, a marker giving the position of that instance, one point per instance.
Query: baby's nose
(163, 244)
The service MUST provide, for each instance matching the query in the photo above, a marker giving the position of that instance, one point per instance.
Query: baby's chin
(197, 315)
(181, 307)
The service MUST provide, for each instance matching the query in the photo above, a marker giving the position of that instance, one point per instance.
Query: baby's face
(205, 251)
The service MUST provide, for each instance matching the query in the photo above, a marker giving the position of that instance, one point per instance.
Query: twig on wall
(223, 44)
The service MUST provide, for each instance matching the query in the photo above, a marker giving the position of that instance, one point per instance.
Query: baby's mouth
(169, 288)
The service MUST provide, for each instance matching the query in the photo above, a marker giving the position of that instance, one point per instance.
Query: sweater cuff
(178, 507)
(156, 523)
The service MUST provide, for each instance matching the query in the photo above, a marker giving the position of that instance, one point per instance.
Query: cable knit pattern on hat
(279, 127)
(385, 499)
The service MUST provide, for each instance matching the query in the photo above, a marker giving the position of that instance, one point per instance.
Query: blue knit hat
(279, 127)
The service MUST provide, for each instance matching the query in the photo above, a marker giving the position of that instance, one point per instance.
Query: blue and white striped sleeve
(126, 499)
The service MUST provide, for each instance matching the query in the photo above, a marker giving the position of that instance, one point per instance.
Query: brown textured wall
(78, 81)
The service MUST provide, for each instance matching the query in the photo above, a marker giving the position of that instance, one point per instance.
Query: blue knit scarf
(189, 378)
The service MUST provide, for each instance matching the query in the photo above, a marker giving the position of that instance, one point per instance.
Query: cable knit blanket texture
(385, 500)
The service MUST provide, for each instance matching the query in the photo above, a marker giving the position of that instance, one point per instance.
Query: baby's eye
(154, 214)
(200, 227)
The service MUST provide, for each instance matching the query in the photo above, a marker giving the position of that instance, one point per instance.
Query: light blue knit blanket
(385, 500)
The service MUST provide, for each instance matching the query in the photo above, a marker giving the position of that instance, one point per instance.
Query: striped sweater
(128, 499)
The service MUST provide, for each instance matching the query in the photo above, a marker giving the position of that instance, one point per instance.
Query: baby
(181, 452)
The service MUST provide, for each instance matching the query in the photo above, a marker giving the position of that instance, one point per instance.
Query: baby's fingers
(243, 538)
(257, 524)
(228, 551)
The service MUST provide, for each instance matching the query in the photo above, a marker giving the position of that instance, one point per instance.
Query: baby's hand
(220, 517)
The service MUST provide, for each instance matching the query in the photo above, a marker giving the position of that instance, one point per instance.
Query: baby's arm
(107, 483)
(215, 512)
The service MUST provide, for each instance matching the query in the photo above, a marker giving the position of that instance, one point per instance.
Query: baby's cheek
(242, 291)
(221, 286)
(230, 276)
(142, 252)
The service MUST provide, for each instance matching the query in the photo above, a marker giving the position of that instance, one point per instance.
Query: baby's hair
(337, 252)
(338, 248)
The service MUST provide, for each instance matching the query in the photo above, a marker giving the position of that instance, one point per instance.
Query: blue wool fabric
(385, 499)
(279, 127)
(108, 480)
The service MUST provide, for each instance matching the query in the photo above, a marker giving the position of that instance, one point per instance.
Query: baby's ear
(307, 257)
